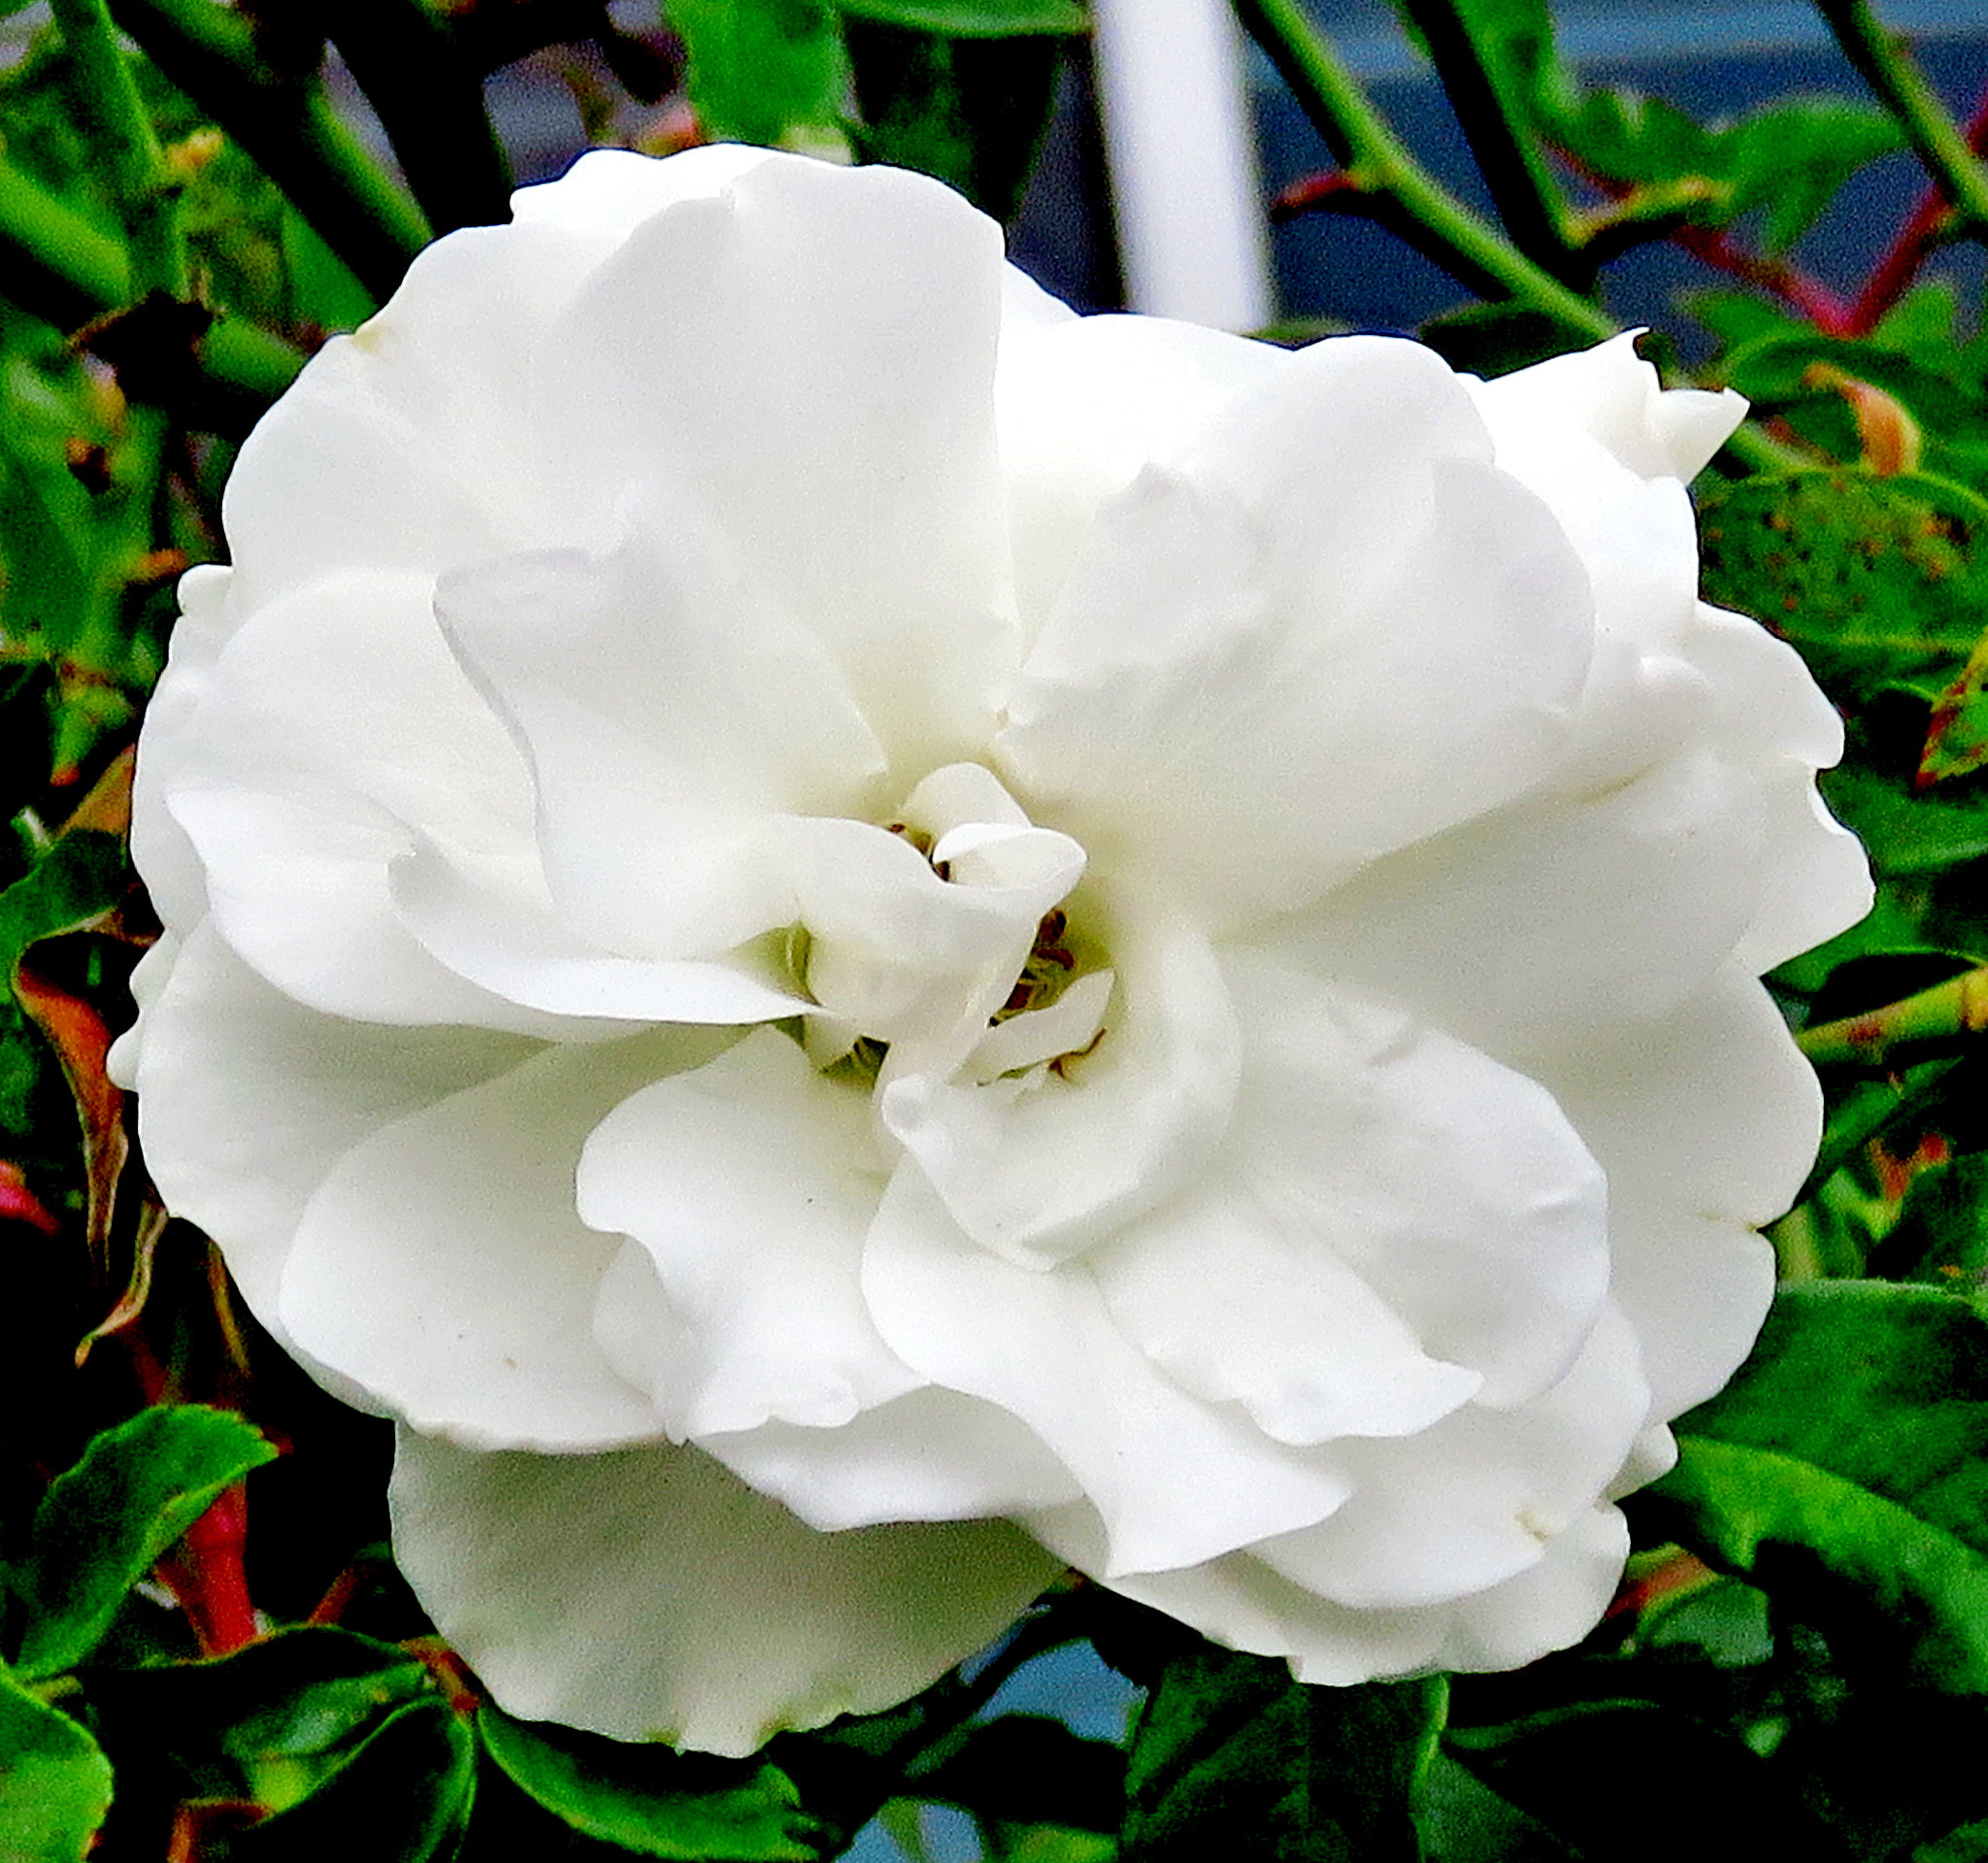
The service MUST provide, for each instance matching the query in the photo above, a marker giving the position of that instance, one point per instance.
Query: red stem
(207, 1573)
(1310, 193)
(1824, 308)
(1915, 240)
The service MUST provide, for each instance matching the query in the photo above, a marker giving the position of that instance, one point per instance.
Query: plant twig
(1902, 87)
(1934, 1021)
(290, 128)
(1424, 211)
(430, 101)
(1931, 223)
(1508, 157)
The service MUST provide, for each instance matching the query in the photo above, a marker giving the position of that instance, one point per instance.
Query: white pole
(1182, 157)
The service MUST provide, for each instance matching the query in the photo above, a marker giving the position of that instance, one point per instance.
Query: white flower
(852, 938)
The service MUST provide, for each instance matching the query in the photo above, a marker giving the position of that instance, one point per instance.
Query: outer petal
(1240, 702)
(839, 419)
(648, 1594)
(1174, 1479)
(751, 1183)
(1083, 404)
(1611, 393)
(668, 705)
(609, 192)
(441, 1266)
(248, 1101)
(1557, 914)
(1243, 1604)
(303, 775)
(1454, 1187)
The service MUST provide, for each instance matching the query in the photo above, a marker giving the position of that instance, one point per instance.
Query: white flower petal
(302, 775)
(1609, 393)
(248, 1101)
(1557, 914)
(442, 1265)
(492, 920)
(1084, 403)
(650, 1595)
(1242, 703)
(609, 192)
(840, 418)
(1238, 1306)
(1454, 1187)
(751, 1183)
(1040, 1168)
(1478, 1497)
(666, 703)
(1174, 1479)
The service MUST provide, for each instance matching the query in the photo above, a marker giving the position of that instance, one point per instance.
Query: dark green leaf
(971, 112)
(1029, 1769)
(1849, 1458)
(1463, 1820)
(1941, 1236)
(1229, 1743)
(104, 1523)
(651, 1800)
(773, 72)
(403, 1795)
(1878, 581)
(54, 1783)
(972, 19)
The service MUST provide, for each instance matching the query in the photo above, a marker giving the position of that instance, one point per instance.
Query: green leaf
(403, 1795)
(1030, 1769)
(972, 19)
(773, 72)
(973, 112)
(103, 1523)
(1464, 1820)
(55, 1781)
(1878, 582)
(651, 1800)
(1942, 1235)
(1229, 1743)
(1848, 1460)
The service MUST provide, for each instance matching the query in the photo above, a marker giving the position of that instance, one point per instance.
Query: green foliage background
(1798, 1662)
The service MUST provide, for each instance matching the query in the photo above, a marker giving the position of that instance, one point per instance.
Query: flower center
(951, 951)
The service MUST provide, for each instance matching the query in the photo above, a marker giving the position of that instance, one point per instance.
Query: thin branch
(1935, 1021)
(1931, 223)
(1427, 214)
(1824, 308)
(429, 99)
(1510, 158)
(290, 128)
(1902, 87)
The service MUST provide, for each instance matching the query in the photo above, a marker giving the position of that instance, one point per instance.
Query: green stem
(430, 101)
(1902, 87)
(60, 267)
(1510, 160)
(147, 190)
(1936, 1019)
(1465, 245)
(290, 128)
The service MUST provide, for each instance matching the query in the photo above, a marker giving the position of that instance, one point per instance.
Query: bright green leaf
(104, 1523)
(651, 1800)
(1229, 1743)
(773, 72)
(55, 1781)
(1850, 1455)
(972, 19)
